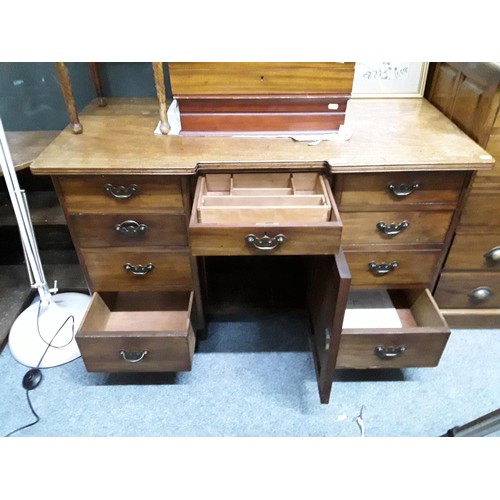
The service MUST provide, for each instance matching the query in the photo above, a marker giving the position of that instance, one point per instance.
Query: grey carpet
(256, 378)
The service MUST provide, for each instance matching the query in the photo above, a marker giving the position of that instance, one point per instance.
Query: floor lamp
(43, 335)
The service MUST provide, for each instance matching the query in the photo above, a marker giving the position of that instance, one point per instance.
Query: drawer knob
(382, 269)
(389, 352)
(121, 192)
(480, 294)
(133, 357)
(266, 243)
(493, 256)
(392, 229)
(131, 228)
(402, 190)
(139, 270)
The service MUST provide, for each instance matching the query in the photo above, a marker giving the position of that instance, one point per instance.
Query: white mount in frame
(389, 79)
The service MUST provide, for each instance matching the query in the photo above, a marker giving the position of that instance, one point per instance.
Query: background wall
(30, 97)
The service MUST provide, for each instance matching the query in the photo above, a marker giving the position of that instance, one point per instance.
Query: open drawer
(138, 332)
(402, 329)
(263, 213)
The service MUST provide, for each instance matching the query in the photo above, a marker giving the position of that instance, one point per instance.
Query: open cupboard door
(328, 290)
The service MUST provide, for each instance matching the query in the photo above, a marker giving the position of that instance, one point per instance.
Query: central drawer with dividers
(409, 331)
(138, 332)
(272, 213)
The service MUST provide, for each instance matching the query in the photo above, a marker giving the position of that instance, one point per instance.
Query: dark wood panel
(468, 252)
(106, 271)
(357, 350)
(413, 268)
(362, 192)
(100, 230)
(455, 290)
(422, 227)
(87, 194)
(258, 123)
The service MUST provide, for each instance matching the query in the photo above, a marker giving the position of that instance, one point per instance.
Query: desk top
(387, 135)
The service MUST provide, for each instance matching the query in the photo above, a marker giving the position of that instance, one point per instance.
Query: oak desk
(149, 214)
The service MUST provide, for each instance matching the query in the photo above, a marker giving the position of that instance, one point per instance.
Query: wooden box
(138, 332)
(261, 98)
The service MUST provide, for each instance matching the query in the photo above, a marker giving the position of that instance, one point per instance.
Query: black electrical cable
(49, 345)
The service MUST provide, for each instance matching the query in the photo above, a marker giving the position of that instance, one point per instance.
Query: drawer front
(373, 191)
(394, 350)
(481, 212)
(112, 230)
(320, 239)
(107, 272)
(475, 252)
(392, 268)
(138, 352)
(121, 194)
(468, 290)
(255, 214)
(139, 332)
(395, 227)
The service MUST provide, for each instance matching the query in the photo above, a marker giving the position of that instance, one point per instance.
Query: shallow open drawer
(402, 329)
(138, 332)
(259, 213)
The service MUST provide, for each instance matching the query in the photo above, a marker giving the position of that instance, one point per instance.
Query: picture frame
(389, 79)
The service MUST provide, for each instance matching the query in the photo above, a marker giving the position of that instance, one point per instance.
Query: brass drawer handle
(131, 228)
(139, 270)
(266, 243)
(493, 256)
(382, 269)
(392, 229)
(402, 190)
(121, 192)
(133, 357)
(389, 352)
(480, 294)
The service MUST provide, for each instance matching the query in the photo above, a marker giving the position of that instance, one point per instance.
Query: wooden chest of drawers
(396, 225)
(131, 236)
(467, 291)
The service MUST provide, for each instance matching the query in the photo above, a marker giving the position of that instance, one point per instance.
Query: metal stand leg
(479, 427)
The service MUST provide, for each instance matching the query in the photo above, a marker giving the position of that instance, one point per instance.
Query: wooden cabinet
(469, 94)
(152, 216)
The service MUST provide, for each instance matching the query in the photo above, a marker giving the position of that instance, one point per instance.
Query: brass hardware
(266, 243)
(392, 229)
(402, 190)
(139, 270)
(492, 256)
(389, 352)
(121, 192)
(133, 357)
(131, 228)
(480, 294)
(382, 269)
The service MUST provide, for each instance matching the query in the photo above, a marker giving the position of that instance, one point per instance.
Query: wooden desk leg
(65, 82)
(162, 96)
(96, 78)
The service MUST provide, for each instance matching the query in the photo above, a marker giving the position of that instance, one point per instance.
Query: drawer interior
(263, 198)
(118, 313)
(391, 310)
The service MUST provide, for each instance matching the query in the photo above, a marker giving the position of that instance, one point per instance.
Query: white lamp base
(33, 335)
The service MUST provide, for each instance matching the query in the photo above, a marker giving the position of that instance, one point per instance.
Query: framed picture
(389, 79)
